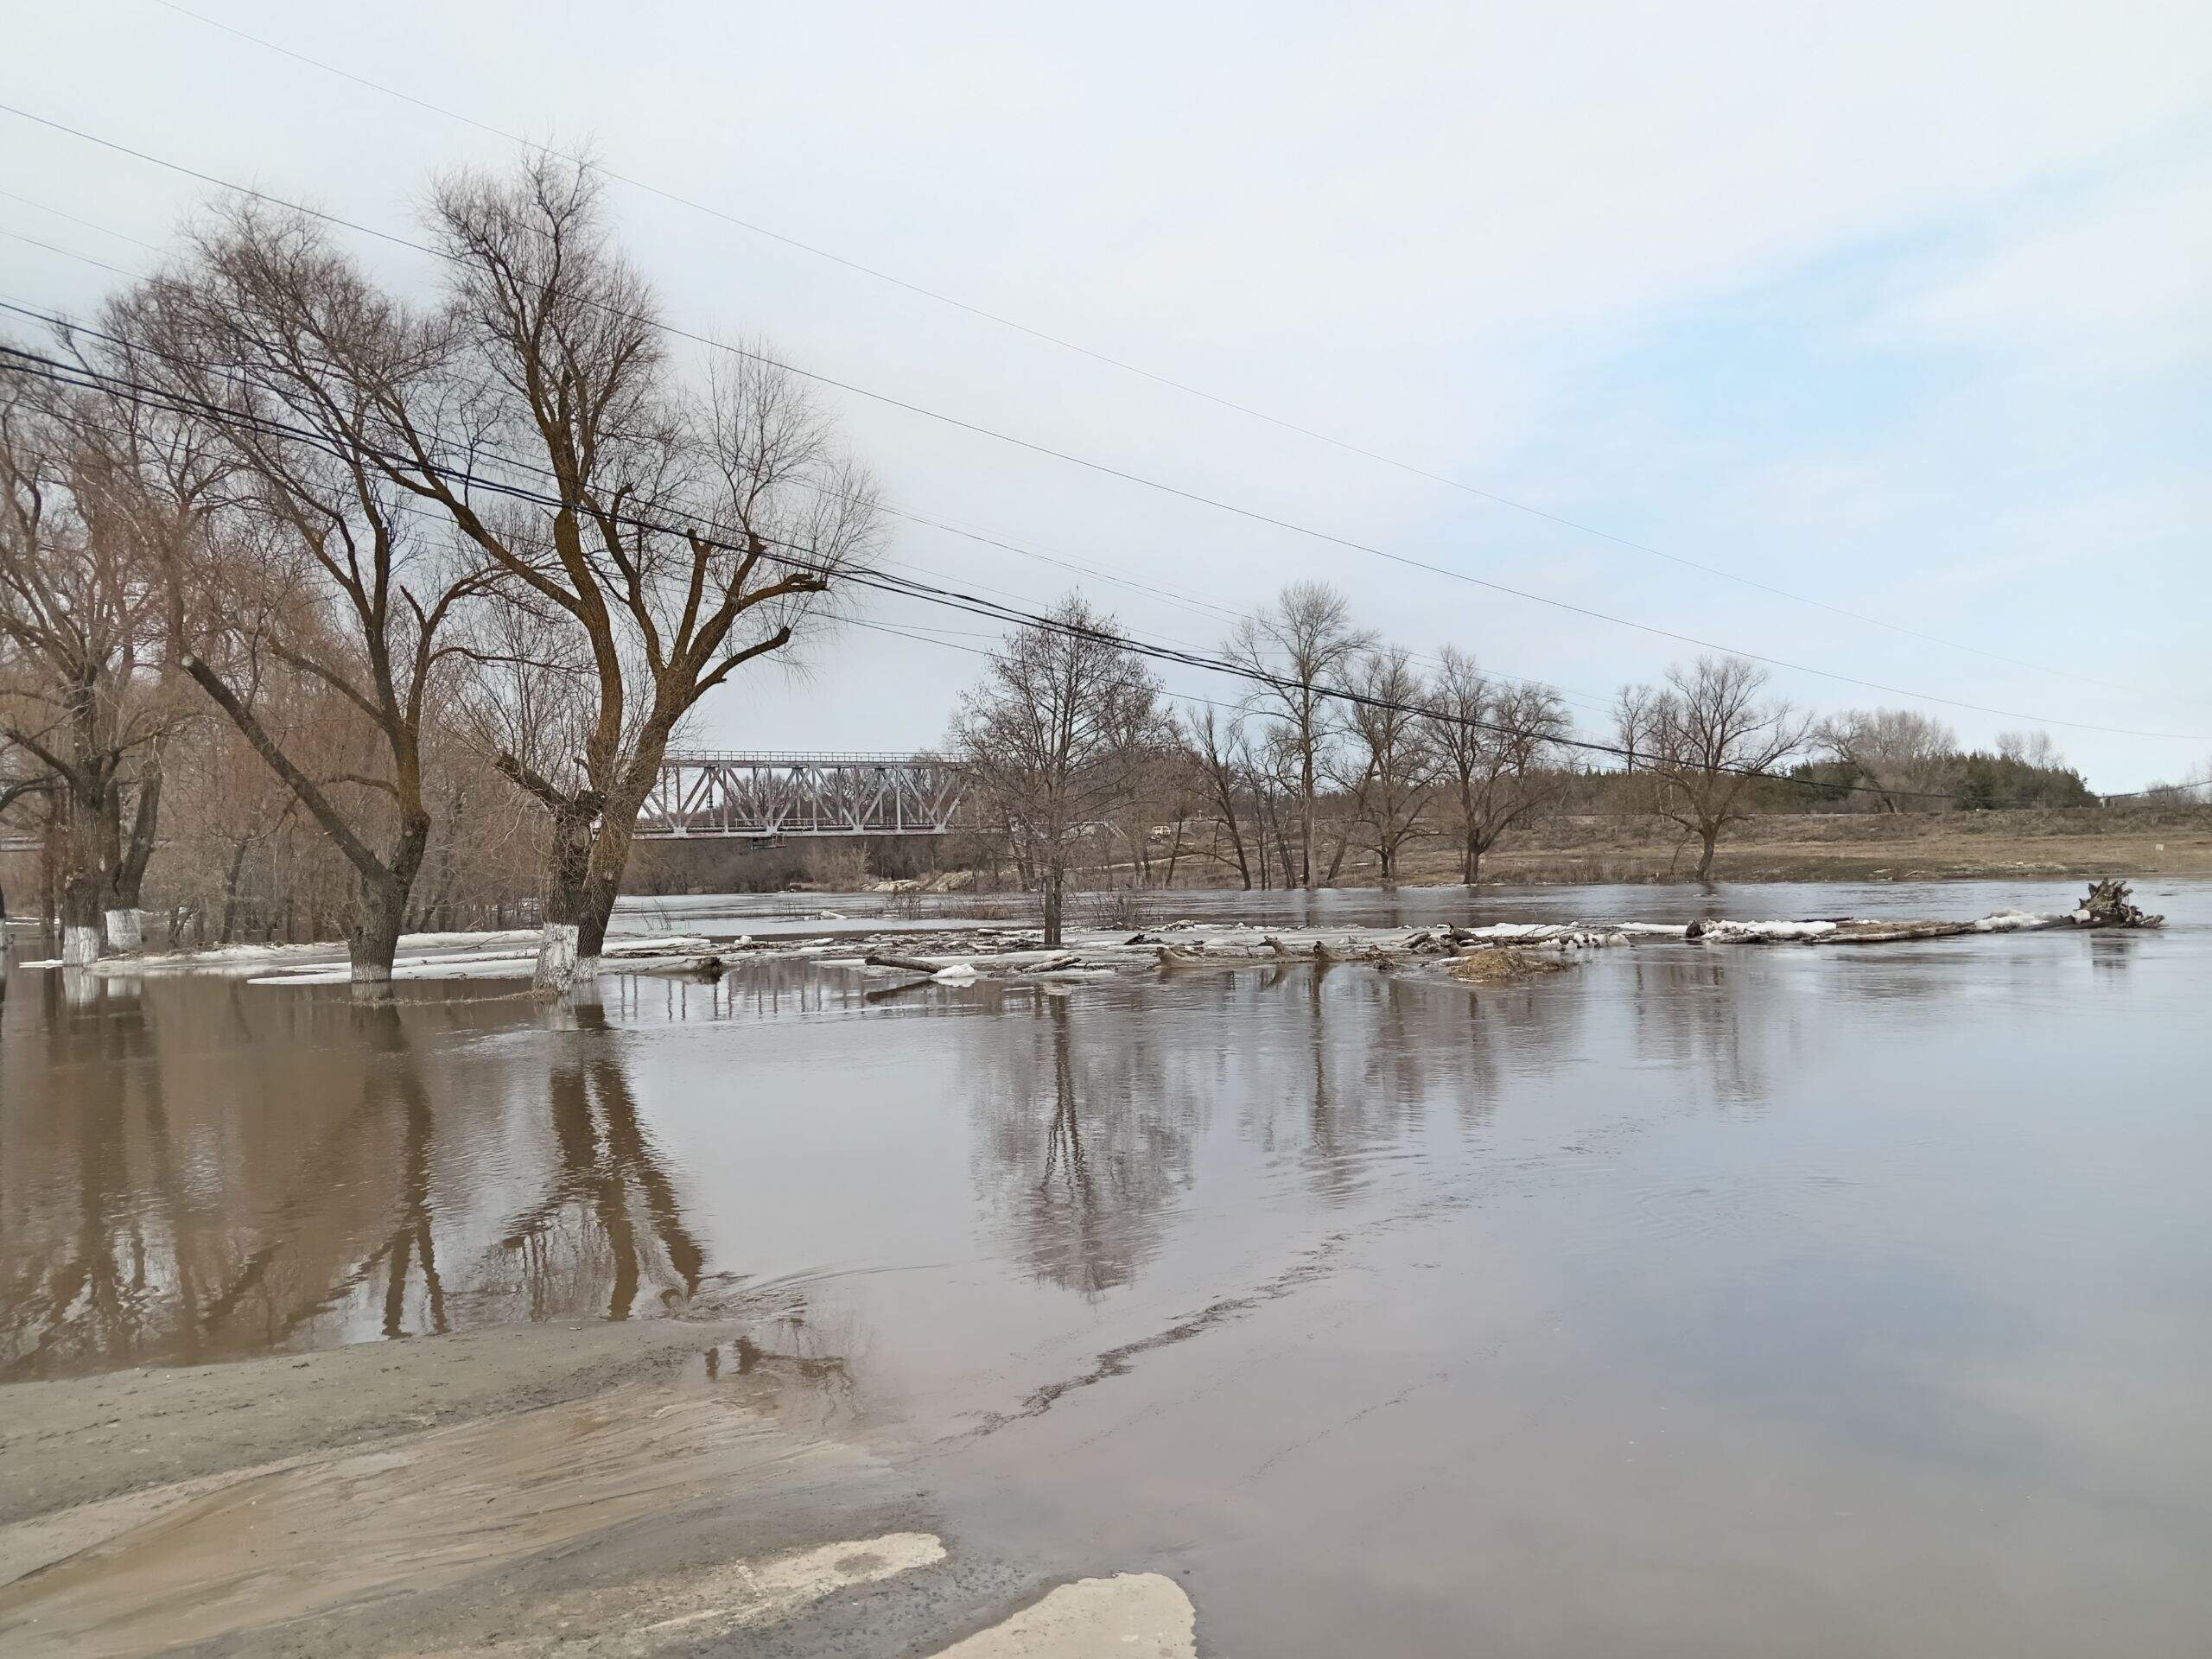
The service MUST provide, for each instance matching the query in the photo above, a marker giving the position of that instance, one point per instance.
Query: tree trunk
(1053, 879)
(380, 908)
(1474, 862)
(1306, 822)
(81, 919)
(373, 935)
(84, 885)
(1336, 858)
(567, 879)
(609, 852)
(1710, 837)
(138, 847)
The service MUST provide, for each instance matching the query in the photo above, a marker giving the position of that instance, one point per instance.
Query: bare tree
(559, 338)
(1712, 736)
(18, 783)
(1632, 711)
(81, 682)
(1301, 644)
(1391, 768)
(1495, 745)
(2030, 749)
(1047, 738)
(1899, 754)
(290, 359)
(1223, 759)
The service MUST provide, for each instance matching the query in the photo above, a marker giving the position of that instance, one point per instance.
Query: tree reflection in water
(1084, 1151)
(580, 1247)
(205, 1170)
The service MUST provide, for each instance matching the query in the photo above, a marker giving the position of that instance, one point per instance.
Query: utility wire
(66, 325)
(42, 208)
(1122, 364)
(1108, 470)
(83, 377)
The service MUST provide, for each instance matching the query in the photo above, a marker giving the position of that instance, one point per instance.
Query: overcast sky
(1905, 308)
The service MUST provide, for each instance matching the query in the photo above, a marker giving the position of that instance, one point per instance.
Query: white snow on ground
(1744, 932)
(674, 948)
(469, 967)
(1138, 1614)
(2018, 921)
(1569, 935)
(957, 952)
(256, 958)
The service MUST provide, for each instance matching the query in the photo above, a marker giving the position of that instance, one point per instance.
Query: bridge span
(769, 794)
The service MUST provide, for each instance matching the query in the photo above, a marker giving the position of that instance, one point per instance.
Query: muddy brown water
(1705, 1299)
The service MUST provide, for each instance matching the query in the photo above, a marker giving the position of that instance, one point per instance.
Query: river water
(1702, 1300)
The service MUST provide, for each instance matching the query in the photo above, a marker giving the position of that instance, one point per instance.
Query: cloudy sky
(1905, 309)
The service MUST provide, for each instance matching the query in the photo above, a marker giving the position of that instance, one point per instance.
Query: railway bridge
(771, 794)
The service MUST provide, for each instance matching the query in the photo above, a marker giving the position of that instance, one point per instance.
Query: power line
(65, 324)
(67, 253)
(1138, 478)
(42, 208)
(83, 377)
(1125, 366)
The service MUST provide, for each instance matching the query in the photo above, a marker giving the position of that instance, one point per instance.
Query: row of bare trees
(1342, 744)
(1339, 717)
(387, 542)
(1346, 744)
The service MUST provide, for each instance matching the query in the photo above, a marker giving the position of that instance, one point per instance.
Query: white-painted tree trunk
(80, 946)
(126, 930)
(556, 958)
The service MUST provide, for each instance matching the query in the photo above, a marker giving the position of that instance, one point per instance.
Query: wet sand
(516, 1490)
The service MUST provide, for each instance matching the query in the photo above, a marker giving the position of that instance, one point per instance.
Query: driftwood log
(2107, 907)
(912, 964)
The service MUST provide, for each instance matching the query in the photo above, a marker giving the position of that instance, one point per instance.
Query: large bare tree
(1302, 644)
(1498, 745)
(685, 533)
(1056, 737)
(293, 360)
(1714, 733)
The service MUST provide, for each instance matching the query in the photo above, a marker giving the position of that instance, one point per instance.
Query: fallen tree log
(911, 965)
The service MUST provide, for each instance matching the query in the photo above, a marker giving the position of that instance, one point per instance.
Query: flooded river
(1702, 1300)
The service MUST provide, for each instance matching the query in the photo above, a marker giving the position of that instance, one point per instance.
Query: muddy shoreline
(586, 1489)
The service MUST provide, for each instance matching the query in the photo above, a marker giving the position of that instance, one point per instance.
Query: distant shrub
(1993, 782)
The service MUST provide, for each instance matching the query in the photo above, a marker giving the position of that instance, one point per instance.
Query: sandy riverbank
(602, 1489)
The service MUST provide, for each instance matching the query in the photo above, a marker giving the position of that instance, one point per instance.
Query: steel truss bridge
(764, 795)
(768, 794)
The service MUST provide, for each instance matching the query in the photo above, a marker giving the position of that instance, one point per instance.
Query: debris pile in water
(2107, 907)
(1501, 964)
